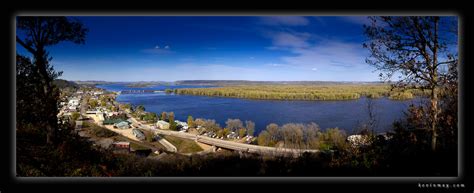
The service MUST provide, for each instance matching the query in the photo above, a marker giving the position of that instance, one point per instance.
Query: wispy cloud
(285, 21)
(329, 55)
(166, 49)
(277, 65)
(289, 40)
(321, 55)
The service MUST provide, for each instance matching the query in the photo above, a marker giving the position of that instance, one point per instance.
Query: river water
(347, 115)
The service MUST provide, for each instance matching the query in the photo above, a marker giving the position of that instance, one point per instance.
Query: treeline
(240, 128)
(62, 84)
(302, 92)
(248, 82)
(302, 136)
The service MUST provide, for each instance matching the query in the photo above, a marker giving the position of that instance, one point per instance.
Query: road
(128, 133)
(83, 105)
(235, 145)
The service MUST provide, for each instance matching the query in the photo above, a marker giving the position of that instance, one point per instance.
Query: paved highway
(235, 145)
(222, 143)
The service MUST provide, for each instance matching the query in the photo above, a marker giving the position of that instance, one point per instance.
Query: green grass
(183, 145)
(401, 96)
(299, 92)
(101, 132)
(137, 146)
(148, 135)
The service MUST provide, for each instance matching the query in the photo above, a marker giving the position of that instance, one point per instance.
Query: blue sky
(284, 48)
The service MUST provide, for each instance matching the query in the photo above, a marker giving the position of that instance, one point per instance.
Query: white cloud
(285, 20)
(290, 40)
(158, 50)
(321, 55)
(329, 55)
(277, 65)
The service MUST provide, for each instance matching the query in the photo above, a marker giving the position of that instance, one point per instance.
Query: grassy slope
(183, 145)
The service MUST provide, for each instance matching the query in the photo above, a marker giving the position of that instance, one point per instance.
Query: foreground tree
(274, 132)
(191, 122)
(140, 109)
(418, 50)
(234, 124)
(242, 132)
(164, 117)
(93, 103)
(28, 102)
(172, 122)
(35, 34)
(264, 138)
(250, 126)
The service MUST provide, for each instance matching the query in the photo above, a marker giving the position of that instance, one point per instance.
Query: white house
(184, 125)
(122, 125)
(74, 102)
(162, 124)
(72, 107)
(98, 92)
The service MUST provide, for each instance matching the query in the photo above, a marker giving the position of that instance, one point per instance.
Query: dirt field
(125, 132)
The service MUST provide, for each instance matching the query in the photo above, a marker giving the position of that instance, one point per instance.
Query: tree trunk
(434, 90)
(434, 117)
(41, 62)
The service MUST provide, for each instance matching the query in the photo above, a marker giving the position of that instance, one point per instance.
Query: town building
(121, 147)
(138, 134)
(162, 124)
(122, 125)
(182, 125)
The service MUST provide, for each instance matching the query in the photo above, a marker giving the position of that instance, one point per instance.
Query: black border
(10, 183)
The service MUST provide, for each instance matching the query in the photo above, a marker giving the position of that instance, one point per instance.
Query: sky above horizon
(170, 48)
